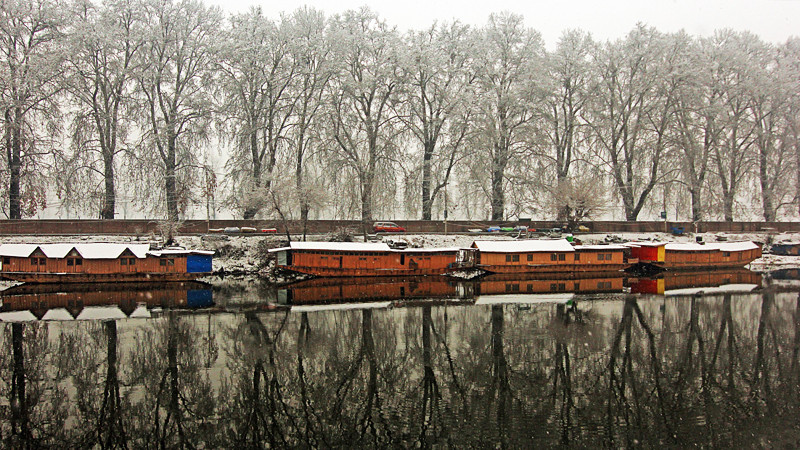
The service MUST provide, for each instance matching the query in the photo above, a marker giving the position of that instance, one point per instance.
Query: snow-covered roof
(644, 244)
(92, 250)
(158, 253)
(715, 246)
(527, 299)
(428, 249)
(600, 247)
(724, 289)
(340, 307)
(336, 246)
(524, 246)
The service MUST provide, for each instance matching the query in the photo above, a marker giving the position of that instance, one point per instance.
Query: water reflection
(615, 369)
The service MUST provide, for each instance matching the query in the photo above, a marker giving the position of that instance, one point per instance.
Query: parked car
(493, 229)
(387, 227)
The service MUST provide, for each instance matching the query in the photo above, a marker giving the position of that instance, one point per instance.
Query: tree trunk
(251, 211)
(14, 153)
(697, 207)
(109, 203)
(499, 162)
(427, 201)
(170, 184)
(766, 186)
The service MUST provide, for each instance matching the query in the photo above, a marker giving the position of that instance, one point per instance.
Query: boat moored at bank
(101, 262)
(361, 259)
(688, 256)
(548, 255)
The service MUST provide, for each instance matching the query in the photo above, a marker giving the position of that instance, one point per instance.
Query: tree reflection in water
(652, 371)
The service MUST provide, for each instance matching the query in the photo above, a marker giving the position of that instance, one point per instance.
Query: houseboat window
(608, 256)
(6, 260)
(167, 262)
(562, 257)
(530, 256)
(515, 258)
(70, 262)
(726, 254)
(123, 261)
(131, 261)
(601, 256)
(42, 261)
(508, 258)
(78, 262)
(577, 256)
(162, 262)
(553, 287)
(34, 261)
(553, 257)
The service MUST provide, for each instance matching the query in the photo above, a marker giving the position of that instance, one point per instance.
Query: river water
(705, 360)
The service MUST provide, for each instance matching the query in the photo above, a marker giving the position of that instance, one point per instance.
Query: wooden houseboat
(548, 255)
(358, 259)
(681, 256)
(101, 262)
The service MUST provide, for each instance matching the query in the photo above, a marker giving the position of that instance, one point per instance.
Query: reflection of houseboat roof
(524, 299)
(524, 246)
(709, 290)
(17, 316)
(716, 246)
(141, 312)
(101, 313)
(336, 246)
(57, 314)
(340, 307)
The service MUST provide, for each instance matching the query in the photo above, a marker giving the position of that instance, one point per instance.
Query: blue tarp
(198, 263)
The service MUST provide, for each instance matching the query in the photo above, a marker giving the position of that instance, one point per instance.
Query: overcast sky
(773, 20)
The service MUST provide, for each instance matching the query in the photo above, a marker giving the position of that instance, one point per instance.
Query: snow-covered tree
(175, 112)
(361, 119)
(104, 43)
(507, 56)
(31, 77)
(438, 101)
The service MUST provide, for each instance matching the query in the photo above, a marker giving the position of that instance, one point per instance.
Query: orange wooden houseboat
(354, 259)
(100, 262)
(548, 255)
(681, 256)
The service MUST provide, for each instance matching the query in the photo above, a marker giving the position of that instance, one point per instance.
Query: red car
(387, 227)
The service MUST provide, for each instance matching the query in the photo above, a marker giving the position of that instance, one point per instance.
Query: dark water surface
(707, 360)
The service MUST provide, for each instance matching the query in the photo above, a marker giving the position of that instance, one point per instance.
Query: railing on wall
(135, 227)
